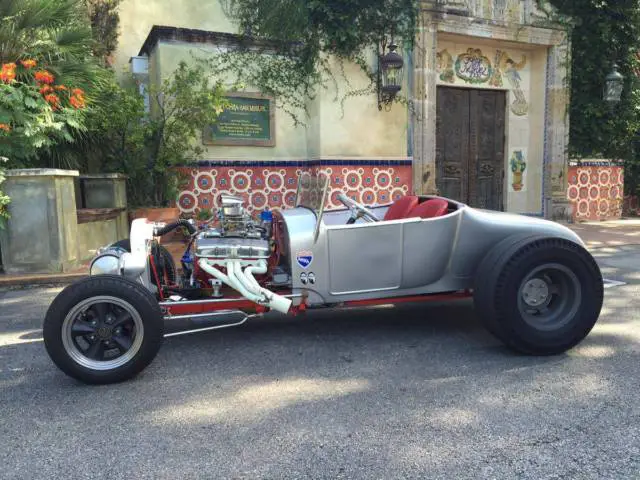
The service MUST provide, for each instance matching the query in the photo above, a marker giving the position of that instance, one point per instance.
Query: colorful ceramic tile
(596, 192)
(276, 186)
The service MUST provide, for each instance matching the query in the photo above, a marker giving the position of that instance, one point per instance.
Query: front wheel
(539, 296)
(103, 329)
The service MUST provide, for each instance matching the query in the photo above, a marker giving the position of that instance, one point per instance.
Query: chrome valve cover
(232, 247)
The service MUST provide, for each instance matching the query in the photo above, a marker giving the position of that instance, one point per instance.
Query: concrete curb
(13, 282)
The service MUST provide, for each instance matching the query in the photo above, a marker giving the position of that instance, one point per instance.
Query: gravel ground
(408, 392)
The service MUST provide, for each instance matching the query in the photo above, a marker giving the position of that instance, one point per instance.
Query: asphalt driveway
(408, 392)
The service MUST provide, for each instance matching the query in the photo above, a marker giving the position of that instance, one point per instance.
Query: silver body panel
(399, 257)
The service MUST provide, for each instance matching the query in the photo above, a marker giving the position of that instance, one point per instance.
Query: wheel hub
(535, 292)
(104, 332)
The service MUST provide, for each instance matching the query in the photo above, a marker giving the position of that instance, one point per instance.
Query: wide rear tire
(103, 329)
(539, 295)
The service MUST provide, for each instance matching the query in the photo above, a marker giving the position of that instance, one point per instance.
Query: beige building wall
(359, 130)
(137, 17)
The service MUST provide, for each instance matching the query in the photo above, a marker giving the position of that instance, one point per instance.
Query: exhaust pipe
(245, 284)
(175, 325)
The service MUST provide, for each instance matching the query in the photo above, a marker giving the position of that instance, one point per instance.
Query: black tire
(482, 300)
(163, 259)
(89, 289)
(500, 291)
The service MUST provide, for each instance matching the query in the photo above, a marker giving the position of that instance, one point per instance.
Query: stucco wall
(138, 16)
(360, 131)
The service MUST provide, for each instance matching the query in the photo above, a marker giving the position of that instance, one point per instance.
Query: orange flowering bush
(43, 76)
(35, 113)
(8, 72)
(28, 64)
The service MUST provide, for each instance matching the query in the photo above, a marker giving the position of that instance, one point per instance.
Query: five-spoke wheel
(103, 329)
(102, 333)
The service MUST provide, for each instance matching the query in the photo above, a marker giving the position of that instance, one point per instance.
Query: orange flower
(61, 88)
(46, 89)
(43, 76)
(5, 127)
(78, 92)
(53, 100)
(8, 72)
(7, 77)
(29, 63)
(77, 102)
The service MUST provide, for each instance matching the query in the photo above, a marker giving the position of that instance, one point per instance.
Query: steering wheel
(358, 210)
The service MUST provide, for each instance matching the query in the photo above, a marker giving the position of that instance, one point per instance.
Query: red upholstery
(401, 207)
(435, 207)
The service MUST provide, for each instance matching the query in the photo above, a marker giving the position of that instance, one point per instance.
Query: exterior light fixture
(389, 76)
(614, 83)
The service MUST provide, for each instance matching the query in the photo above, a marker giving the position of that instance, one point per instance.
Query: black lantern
(614, 83)
(389, 76)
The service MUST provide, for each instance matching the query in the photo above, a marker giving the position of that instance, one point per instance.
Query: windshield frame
(318, 186)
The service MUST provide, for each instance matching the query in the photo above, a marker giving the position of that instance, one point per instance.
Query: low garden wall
(55, 226)
(101, 203)
(595, 190)
(97, 228)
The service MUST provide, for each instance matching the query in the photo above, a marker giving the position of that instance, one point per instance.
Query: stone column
(41, 235)
(424, 101)
(557, 131)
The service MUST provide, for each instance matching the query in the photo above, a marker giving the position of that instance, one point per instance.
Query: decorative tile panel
(596, 193)
(275, 186)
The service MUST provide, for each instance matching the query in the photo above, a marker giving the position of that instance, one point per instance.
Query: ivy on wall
(602, 32)
(290, 44)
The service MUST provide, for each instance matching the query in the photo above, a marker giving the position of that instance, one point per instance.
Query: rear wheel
(539, 295)
(103, 329)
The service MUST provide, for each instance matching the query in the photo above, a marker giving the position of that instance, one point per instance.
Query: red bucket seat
(435, 207)
(401, 208)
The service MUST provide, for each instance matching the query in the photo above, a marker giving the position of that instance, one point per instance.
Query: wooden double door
(470, 139)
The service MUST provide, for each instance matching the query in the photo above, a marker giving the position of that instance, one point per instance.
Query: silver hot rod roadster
(534, 285)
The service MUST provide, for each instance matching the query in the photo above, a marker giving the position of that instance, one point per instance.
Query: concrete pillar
(424, 101)
(42, 232)
(557, 131)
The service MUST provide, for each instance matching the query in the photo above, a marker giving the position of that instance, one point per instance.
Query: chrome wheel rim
(549, 297)
(102, 333)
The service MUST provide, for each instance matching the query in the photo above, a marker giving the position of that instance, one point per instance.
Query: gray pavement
(408, 392)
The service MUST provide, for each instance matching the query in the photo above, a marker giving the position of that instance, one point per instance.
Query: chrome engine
(238, 235)
(229, 253)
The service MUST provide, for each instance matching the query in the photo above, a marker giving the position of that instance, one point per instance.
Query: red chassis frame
(204, 306)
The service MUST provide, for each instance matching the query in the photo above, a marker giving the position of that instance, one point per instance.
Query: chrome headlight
(107, 263)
